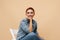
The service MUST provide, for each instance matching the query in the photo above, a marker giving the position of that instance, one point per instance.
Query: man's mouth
(30, 16)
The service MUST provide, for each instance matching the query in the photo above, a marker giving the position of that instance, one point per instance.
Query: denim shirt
(23, 28)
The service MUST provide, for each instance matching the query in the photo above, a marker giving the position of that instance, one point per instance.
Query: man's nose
(30, 14)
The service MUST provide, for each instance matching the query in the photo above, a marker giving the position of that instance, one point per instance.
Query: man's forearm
(30, 26)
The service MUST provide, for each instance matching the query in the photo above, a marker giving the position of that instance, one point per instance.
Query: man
(28, 27)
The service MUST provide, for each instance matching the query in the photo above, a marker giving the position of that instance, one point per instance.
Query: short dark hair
(30, 8)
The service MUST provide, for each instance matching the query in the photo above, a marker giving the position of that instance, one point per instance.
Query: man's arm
(24, 27)
(30, 25)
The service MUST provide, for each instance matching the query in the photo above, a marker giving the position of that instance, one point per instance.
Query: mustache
(30, 16)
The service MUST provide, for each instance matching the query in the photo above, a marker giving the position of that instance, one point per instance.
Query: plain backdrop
(47, 16)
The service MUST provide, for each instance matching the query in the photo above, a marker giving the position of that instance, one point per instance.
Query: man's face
(30, 14)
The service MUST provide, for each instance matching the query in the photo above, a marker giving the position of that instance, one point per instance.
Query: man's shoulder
(24, 20)
(34, 21)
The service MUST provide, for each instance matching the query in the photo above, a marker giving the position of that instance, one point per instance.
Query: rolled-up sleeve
(24, 27)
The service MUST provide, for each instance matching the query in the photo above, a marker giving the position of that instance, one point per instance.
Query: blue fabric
(23, 31)
(31, 36)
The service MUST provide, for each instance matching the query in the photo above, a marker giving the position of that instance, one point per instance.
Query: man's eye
(27, 12)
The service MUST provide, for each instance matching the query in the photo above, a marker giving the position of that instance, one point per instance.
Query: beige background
(47, 17)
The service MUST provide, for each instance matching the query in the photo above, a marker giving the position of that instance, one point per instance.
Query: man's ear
(26, 14)
(34, 13)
